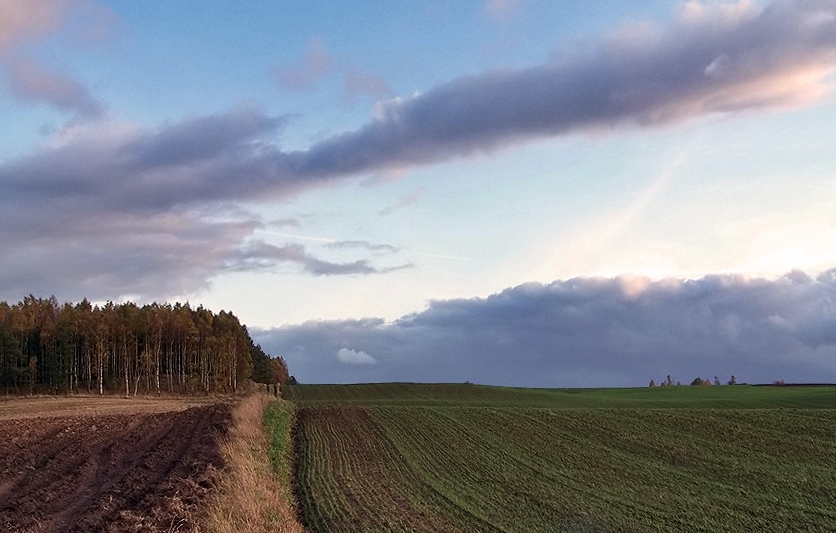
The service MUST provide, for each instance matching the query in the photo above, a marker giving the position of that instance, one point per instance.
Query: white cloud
(352, 357)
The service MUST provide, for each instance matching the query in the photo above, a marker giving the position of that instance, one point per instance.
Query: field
(405, 457)
(107, 464)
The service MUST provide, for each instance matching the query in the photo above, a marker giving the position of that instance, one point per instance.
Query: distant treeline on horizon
(47, 347)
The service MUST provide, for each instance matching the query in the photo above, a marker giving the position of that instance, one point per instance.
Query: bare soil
(109, 472)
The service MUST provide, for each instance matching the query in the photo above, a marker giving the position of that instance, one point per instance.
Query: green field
(408, 457)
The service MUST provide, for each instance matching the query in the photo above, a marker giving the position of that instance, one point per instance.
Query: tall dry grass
(251, 497)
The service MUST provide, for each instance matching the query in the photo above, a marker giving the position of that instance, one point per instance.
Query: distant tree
(733, 381)
(697, 381)
(261, 364)
(669, 381)
(678, 383)
(278, 371)
(652, 383)
(717, 381)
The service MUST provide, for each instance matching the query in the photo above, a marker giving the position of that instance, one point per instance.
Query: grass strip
(255, 494)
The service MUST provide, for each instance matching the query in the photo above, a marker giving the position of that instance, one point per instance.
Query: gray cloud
(104, 255)
(113, 255)
(780, 56)
(285, 223)
(589, 332)
(263, 254)
(705, 63)
(204, 159)
(374, 247)
(149, 213)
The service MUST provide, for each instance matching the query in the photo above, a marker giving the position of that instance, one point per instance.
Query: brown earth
(119, 473)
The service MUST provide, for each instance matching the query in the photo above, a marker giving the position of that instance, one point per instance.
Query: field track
(125, 472)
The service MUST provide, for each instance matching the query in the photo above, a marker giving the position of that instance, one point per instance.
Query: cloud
(258, 254)
(33, 82)
(285, 223)
(104, 255)
(107, 255)
(204, 159)
(590, 332)
(501, 9)
(115, 210)
(374, 247)
(712, 59)
(406, 201)
(30, 19)
(351, 357)
(314, 65)
(358, 83)
(36, 21)
(94, 193)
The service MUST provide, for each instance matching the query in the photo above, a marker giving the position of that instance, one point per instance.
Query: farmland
(405, 457)
(108, 464)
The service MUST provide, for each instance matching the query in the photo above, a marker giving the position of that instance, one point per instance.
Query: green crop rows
(468, 458)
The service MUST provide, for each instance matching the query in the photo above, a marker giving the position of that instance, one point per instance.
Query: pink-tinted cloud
(501, 9)
(406, 201)
(30, 19)
(31, 81)
(314, 65)
(359, 83)
(34, 21)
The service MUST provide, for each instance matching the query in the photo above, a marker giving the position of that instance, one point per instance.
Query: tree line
(668, 382)
(47, 347)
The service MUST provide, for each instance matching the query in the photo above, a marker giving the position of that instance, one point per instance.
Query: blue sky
(338, 175)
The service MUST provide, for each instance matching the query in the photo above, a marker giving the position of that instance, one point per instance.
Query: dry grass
(250, 497)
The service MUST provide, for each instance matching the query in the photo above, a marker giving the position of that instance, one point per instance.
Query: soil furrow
(110, 473)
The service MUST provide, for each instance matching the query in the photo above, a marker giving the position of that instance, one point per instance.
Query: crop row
(464, 468)
(351, 478)
(627, 469)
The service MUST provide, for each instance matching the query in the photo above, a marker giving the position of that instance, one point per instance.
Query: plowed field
(126, 472)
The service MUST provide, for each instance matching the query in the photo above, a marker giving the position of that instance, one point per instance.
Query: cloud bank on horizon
(586, 332)
(126, 210)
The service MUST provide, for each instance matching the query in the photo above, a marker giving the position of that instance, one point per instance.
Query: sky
(511, 192)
